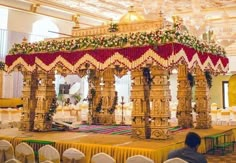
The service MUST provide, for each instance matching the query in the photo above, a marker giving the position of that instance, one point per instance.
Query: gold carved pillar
(94, 96)
(140, 126)
(29, 100)
(202, 100)
(1, 83)
(160, 97)
(108, 95)
(184, 96)
(45, 95)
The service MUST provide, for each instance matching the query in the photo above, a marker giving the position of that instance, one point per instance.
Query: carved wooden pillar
(160, 97)
(202, 100)
(184, 95)
(29, 100)
(108, 95)
(1, 83)
(44, 94)
(94, 83)
(140, 127)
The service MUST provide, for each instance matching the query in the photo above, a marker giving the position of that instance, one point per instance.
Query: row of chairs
(48, 154)
(223, 117)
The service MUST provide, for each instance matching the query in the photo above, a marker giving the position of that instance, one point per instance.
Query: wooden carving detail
(160, 97)
(44, 94)
(108, 94)
(94, 95)
(140, 127)
(103, 84)
(184, 96)
(202, 101)
(29, 100)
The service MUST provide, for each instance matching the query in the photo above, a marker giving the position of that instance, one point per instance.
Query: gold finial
(24, 40)
(176, 19)
(75, 19)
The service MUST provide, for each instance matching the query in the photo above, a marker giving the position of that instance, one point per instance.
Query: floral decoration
(113, 107)
(160, 36)
(113, 27)
(99, 105)
(208, 78)
(51, 110)
(2, 66)
(191, 79)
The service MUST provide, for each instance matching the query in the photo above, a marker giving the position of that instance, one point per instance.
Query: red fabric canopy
(167, 55)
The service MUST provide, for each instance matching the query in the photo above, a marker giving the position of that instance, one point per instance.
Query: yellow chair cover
(73, 155)
(6, 151)
(13, 161)
(25, 158)
(69, 160)
(24, 153)
(48, 152)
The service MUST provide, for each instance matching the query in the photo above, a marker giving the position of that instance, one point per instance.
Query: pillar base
(43, 126)
(185, 121)
(203, 122)
(161, 134)
(26, 126)
(138, 132)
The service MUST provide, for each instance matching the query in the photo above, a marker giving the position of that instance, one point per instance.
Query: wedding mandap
(148, 49)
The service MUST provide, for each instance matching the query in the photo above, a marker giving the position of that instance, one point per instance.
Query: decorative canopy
(163, 47)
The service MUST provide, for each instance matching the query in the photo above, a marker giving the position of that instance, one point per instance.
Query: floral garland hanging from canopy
(165, 47)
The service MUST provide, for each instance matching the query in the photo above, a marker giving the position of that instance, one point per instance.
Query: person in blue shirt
(189, 152)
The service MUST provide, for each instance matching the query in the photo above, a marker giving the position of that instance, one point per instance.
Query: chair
(225, 117)
(47, 161)
(102, 157)
(72, 155)
(233, 117)
(24, 153)
(214, 118)
(49, 153)
(214, 106)
(175, 160)
(139, 159)
(6, 151)
(13, 161)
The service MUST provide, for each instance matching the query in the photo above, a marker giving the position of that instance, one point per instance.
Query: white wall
(22, 22)
(232, 64)
(20, 26)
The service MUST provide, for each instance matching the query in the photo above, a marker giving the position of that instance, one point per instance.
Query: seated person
(189, 152)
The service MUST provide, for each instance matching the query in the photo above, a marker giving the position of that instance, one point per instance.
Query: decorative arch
(41, 28)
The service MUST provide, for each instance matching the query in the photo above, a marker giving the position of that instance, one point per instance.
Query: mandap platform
(120, 147)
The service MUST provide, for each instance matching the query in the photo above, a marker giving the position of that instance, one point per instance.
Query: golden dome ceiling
(131, 17)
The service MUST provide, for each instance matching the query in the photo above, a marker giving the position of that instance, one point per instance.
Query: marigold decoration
(51, 110)
(161, 36)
